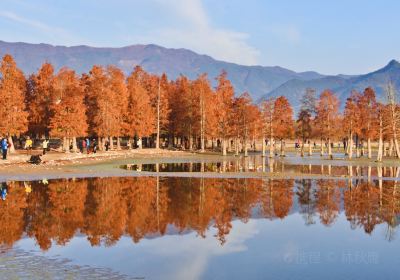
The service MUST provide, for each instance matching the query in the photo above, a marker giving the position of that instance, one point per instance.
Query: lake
(157, 227)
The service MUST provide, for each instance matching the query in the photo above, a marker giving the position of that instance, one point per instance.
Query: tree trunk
(118, 143)
(357, 146)
(271, 147)
(309, 148)
(384, 149)
(237, 146)
(396, 145)
(170, 141)
(391, 147)
(74, 146)
(380, 146)
(111, 143)
(202, 144)
(350, 146)
(322, 148)
(11, 150)
(302, 149)
(130, 143)
(245, 147)
(330, 149)
(223, 147)
(282, 148)
(190, 143)
(65, 147)
(158, 114)
(263, 148)
(362, 149)
(369, 148)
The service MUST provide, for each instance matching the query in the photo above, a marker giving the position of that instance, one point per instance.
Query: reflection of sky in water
(258, 249)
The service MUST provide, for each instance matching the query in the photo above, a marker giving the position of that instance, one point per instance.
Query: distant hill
(261, 82)
(342, 85)
(257, 80)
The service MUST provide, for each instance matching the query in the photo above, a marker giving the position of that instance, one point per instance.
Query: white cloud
(32, 23)
(198, 34)
(57, 34)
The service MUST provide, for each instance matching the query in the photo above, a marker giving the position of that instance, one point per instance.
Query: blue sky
(330, 37)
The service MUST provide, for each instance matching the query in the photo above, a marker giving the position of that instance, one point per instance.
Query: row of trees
(187, 113)
(106, 209)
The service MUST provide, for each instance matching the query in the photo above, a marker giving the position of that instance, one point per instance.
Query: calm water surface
(258, 164)
(200, 228)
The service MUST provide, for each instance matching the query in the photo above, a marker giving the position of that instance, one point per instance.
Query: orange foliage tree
(351, 121)
(140, 119)
(14, 118)
(283, 121)
(68, 111)
(327, 118)
(39, 99)
(223, 110)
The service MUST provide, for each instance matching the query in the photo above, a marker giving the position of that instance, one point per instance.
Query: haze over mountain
(260, 81)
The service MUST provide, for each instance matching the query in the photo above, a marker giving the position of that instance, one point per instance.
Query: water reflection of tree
(277, 198)
(106, 209)
(306, 200)
(327, 197)
(361, 202)
(12, 215)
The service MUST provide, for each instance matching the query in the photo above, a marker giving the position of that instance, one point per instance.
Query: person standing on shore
(83, 145)
(4, 147)
(28, 145)
(45, 145)
(107, 145)
(94, 146)
(87, 145)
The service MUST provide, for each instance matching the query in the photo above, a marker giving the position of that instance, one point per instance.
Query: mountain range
(260, 81)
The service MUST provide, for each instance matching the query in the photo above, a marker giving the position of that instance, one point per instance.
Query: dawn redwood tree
(202, 88)
(185, 111)
(380, 118)
(140, 119)
(101, 103)
(244, 117)
(39, 99)
(327, 118)
(283, 121)
(223, 109)
(351, 120)
(68, 118)
(267, 113)
(256, 125)
(368, 117)
(158, 89)
(118, 91)
(305, 119)
(393, 116)
(14, 118)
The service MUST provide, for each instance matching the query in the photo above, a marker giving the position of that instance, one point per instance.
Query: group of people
(89, 146)
(86, 145)
(5, 145)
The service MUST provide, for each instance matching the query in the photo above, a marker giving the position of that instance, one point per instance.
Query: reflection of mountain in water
(104, 209)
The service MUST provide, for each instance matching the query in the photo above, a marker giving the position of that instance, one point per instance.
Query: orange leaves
(106, 96)
(140, 118)
(12, 92)
(68, 112)
(39, 98)
(283, 118)
(327, 117)
(224, 100)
